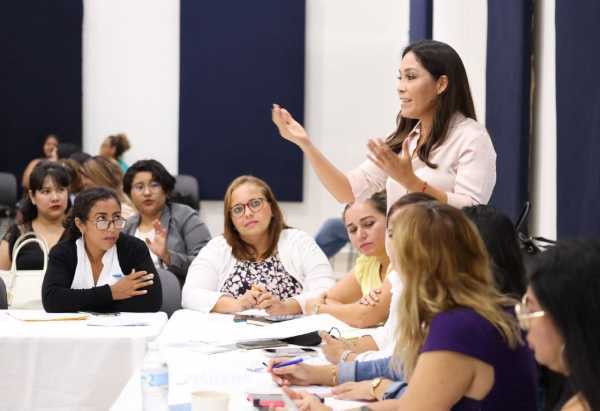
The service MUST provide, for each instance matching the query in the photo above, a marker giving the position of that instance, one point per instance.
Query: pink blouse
(466, 167)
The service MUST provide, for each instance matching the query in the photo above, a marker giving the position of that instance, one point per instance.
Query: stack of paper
(40, 315)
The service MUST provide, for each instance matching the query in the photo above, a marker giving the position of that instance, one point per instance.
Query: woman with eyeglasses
(97, 268)
(259, 262)
(173, 232)
(560, 311)
(458, 344)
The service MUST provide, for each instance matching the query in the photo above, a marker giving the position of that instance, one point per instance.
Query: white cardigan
(300, 255)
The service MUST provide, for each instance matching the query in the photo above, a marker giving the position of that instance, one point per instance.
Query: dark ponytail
(84, 202)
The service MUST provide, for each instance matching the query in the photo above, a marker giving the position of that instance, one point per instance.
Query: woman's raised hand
(289, 128)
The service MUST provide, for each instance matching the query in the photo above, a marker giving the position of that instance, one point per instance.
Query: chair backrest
(8, 192)
(3, 296)
(186, 191)
(171, 292)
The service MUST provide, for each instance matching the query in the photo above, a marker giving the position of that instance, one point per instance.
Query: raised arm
(335, 181)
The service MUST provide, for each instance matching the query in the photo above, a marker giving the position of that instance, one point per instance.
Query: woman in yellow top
(365, 222)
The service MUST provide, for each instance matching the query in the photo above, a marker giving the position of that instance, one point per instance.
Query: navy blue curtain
(578, 118)
(421, 20)
(237, 58)
(40, 77)
(508, 68)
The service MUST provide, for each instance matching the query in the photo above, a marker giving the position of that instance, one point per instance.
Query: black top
(31, 256)
(57, 295)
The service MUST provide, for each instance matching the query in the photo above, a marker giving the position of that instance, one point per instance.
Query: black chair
(3, 296)
(171, 292)
(186, 191)
(8, 200)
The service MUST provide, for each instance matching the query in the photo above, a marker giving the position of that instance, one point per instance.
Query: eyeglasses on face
(524, 315)
(255, 205)
(153, 186)
(103, 224)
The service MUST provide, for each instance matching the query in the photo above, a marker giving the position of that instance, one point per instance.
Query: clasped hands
(258, 297)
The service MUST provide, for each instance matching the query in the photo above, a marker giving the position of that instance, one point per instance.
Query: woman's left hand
(159, 245)
(272, 304)
(306, 401)
(397, 167)
(353, 391)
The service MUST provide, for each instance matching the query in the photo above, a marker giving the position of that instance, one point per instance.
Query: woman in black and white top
(259, 262)
(97, 268)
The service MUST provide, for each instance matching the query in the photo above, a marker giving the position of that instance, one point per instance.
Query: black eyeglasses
(118, 222)
(255, 205)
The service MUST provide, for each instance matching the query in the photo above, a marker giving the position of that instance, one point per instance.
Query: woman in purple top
(458, 345)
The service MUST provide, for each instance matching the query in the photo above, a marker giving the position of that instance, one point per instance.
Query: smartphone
(280, 318)
(289, 351)
(252, 345)
(266, 401)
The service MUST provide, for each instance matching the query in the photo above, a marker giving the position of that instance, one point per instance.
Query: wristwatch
(374, 384)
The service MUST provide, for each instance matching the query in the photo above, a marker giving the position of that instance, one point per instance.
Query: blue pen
(119, 275)
(288, 363)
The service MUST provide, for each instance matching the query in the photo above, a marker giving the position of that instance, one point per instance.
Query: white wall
(463, 25)
(543, 166)
(353, 50)
(131, 76)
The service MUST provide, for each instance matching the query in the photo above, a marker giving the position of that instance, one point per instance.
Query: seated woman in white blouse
(438, 147)
(259, 262)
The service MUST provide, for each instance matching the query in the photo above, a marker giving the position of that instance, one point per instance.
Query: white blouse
(300, 255)
(84, 279)
(466, 167)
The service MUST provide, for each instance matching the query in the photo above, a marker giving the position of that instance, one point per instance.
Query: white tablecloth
(68, 365)
(191, 367)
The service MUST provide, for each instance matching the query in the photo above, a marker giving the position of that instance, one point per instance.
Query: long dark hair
(500, 238)
(439, 59)
(566, 282)
(84, 202)
(241, 249)
(58, 173)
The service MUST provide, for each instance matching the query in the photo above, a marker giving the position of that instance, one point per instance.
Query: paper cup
(210, 401)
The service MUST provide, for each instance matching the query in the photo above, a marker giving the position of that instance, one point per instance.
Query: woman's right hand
(289, 128)
(306, 401)
(297, 374)
(249, 299)
(372, 298)
(130, 285)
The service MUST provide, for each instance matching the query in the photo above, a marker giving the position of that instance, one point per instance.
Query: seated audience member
(99, 172)
(365, 223)
(96, 267)
(43, 212)
(458, 345)
(332, 236)
(113, 148)
(73, 168)
(380, 343)
(502, 244)
(560, 311)
(259, 262)
(49, 148)
(173, 232)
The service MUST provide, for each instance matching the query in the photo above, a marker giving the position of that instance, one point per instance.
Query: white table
(192, 368)
(68, 365)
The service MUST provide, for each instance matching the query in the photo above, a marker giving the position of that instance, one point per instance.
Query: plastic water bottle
(155, 380)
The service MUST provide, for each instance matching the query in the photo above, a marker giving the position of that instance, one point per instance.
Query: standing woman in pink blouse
(438, 147)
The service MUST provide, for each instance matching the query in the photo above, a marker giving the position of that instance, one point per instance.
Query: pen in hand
(286, 363)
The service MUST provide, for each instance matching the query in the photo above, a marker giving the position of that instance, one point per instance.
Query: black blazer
(57, 295)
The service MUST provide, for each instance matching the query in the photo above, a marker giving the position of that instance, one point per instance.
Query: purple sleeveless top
(464, 331)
